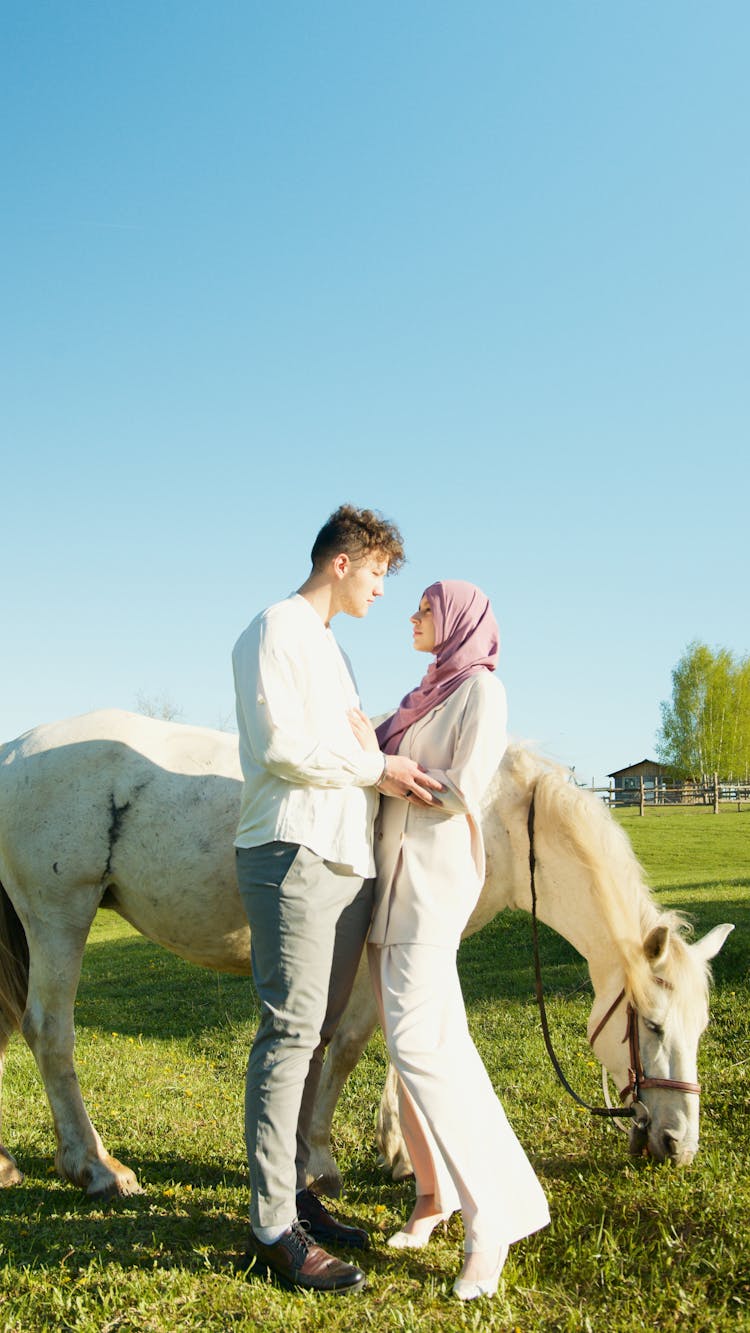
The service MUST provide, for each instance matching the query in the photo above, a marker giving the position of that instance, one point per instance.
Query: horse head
(650, 983)
(647, 1038)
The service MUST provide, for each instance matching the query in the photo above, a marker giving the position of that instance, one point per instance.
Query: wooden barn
(627, 782)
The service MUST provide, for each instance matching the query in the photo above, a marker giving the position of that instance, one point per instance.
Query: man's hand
(363, 730)
(403, 777)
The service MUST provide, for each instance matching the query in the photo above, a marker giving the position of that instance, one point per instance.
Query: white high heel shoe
(468, 1290)
(411, 1240)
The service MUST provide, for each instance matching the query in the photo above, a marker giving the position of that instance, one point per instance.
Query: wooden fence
(710, 793)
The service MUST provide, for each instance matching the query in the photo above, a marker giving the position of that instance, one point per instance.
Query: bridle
(638, 1079)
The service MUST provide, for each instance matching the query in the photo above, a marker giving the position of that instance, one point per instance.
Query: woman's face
(424, 628)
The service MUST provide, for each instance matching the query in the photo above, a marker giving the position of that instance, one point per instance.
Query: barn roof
(650, 765)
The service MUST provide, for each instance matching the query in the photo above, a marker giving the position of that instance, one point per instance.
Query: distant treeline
(705, 728)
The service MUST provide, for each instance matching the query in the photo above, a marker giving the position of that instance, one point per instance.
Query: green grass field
(161, 1053)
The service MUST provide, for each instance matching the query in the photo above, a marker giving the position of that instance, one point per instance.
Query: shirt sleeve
(481, 741)
(271, 691)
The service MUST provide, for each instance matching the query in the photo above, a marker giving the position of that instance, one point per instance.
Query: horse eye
(656, 1028)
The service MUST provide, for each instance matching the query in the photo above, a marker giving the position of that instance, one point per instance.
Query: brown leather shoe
(298, 1263)
(323, 1227)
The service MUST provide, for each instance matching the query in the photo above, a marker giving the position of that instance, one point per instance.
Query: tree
(706, 727)
(159, 706)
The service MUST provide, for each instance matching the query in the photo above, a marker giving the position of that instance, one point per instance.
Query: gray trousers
(308, 923)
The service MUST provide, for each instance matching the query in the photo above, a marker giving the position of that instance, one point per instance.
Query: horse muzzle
(669, 1144)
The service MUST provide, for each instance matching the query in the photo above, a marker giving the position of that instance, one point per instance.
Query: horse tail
(14, 965)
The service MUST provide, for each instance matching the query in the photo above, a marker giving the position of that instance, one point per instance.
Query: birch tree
(705, 727)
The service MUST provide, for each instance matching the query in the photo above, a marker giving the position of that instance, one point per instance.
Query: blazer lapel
(428, 717)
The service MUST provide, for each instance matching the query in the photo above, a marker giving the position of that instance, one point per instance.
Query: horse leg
(357, 1025)
(55, 957)
(9, 1172)
(394, 1153)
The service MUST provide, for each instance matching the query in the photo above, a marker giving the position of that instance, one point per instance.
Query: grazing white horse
(117, 810)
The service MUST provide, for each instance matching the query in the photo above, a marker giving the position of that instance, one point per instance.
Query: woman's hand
(363, 729)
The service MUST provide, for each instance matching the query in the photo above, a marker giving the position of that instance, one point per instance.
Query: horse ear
(656, 945)
(709, 946)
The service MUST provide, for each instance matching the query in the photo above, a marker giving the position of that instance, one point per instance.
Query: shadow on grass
(731, 965)
(135, 987)
(50, 1228)
(53, 1226)
(608, 1161)
(497, 963)
(178, 1221)
(154, 1173)
(144, 1235)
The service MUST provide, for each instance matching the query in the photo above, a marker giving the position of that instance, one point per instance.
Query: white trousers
(462, 1147)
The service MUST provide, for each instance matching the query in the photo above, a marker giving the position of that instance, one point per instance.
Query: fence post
(716, 793)
(643, 797)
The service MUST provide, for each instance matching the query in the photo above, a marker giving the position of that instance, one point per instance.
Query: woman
(430, 870)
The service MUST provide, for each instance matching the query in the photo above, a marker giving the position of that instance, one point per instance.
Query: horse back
(112, 799)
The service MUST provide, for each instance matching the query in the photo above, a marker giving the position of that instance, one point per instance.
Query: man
(304, 867)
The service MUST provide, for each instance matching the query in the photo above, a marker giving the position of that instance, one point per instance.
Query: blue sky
(481, 266)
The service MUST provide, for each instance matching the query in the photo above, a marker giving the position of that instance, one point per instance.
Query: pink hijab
(467, 642)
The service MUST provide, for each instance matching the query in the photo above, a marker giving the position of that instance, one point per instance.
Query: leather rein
(638, 1079)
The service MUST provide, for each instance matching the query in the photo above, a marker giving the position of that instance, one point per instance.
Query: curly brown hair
(357, 533)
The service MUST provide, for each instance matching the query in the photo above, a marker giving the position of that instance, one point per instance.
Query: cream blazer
(430, 861)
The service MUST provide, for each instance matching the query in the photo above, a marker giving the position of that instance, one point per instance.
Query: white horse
(117, 810)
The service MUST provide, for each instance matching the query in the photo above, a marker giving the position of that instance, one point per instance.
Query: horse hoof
(118, 1183)
(323, 1175)
(101, 1179)
(117, 1189)
(9, 1172)
(399, 1167)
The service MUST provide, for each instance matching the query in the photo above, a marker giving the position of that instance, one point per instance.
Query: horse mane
(576, 821)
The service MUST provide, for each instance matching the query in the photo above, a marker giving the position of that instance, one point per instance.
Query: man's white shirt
(307, 780)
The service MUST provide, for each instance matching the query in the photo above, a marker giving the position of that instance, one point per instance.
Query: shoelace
(299, 1241)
